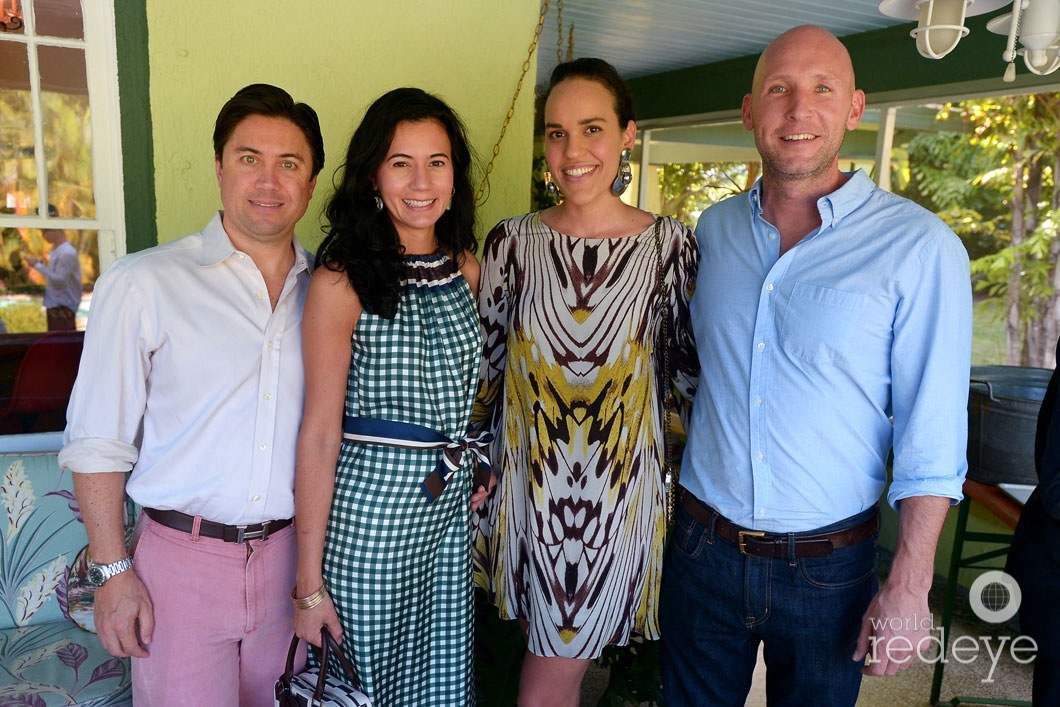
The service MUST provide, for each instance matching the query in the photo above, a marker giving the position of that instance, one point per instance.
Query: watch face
(96, 575)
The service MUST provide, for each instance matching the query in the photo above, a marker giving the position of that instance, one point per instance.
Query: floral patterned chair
(48, 652)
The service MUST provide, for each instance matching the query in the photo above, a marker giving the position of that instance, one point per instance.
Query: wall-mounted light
(1036, 23)
(940, 23)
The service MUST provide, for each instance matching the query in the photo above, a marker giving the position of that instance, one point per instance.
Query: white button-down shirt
(192, 381)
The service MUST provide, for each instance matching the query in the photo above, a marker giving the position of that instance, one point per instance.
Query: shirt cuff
(943, 487)
(97, 455)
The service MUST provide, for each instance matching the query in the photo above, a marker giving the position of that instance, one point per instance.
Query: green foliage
(499, 650)
(540, 199)
(635, 676)
(21, 317)
(946, 172)
(686, 189)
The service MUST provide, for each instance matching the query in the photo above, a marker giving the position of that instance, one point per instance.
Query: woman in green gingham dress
(392, 348)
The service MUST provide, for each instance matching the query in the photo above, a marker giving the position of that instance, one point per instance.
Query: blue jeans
(717, 605)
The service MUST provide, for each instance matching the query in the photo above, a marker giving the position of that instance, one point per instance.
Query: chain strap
(511, 108)
(670, 474)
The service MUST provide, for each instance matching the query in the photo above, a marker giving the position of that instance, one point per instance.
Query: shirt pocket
(819, 322)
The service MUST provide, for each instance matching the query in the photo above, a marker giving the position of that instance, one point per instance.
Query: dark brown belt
(775, 545)
(208, 529)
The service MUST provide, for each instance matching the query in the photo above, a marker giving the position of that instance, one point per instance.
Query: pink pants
(223, 619)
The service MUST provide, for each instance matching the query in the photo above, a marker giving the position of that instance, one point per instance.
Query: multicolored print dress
(571, 539)
(397, 566)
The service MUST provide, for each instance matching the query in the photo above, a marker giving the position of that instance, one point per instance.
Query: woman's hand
(307, 622)
(479, 495)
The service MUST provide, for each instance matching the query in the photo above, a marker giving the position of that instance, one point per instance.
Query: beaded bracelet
(312, 600)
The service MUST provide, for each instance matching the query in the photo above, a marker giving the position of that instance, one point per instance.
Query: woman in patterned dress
(585, 309)
(392, 347)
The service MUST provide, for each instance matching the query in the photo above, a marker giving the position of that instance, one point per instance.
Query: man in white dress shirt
(191, 380)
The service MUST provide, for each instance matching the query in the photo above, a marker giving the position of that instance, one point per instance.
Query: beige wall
(338, 56)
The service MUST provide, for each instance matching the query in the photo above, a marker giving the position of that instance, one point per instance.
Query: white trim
(101, 68)
(101, 60)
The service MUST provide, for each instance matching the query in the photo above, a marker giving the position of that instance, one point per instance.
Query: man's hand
(895, 623)
(898, 617)
(124, 616)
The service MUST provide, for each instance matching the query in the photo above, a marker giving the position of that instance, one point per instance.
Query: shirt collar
(832, 207)
(846, 199)
(217, 247)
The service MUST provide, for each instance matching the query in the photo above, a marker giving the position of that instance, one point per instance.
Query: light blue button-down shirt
(807, 356)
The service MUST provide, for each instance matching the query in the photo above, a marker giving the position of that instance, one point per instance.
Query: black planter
(1003, 403)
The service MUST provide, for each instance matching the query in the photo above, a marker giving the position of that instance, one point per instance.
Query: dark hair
(271, 102)
(598, 70)
(362, 241)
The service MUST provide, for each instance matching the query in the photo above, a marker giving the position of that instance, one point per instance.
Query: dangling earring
(378, 202)
(550, 186)
(449, 206)
(625, 173)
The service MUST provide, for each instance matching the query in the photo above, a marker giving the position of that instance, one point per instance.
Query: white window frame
(101, 66)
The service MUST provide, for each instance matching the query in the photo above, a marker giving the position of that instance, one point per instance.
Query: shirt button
(268, 396)
(259, 294)
(761, 346)
(769, 287)
(255, 499)
(242, 256)
(772, 236)
(261, 446)
(760, 456)
(762, 511)
(758, 400)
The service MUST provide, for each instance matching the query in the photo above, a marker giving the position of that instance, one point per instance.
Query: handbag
(313, 687)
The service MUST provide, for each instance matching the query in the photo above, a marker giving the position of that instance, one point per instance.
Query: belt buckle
(243, 536)
(742, 536)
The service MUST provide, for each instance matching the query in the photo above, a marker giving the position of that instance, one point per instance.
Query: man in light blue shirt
(825, 308)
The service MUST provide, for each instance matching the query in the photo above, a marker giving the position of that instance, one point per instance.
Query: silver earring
(449, 206)
(550, 186)
(378, 202)
(625, 173)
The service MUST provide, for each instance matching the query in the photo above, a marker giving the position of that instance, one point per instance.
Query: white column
(884, 144)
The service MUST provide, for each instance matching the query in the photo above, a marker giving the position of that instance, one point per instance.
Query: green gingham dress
(397, 566)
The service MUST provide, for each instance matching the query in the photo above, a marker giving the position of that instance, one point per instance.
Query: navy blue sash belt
(368, 430)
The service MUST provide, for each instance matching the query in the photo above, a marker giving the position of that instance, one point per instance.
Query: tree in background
(686, 189)
(996, 187)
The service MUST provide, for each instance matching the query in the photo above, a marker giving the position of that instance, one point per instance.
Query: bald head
(807, 41)
(801, 105)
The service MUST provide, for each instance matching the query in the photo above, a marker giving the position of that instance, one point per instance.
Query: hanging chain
(570, 43)
(515, 97)
(559, 31)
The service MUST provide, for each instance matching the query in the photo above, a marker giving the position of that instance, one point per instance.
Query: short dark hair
(271, 102)
(598, 70)
(362, 240)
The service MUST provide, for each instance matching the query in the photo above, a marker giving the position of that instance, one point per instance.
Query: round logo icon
(995, 596)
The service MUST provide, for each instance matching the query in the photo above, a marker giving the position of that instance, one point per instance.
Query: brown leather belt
(208, 529)
(756, 543)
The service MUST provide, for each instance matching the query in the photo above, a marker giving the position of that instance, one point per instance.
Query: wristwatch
(98, 574)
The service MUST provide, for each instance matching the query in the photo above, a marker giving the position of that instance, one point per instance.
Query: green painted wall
(137, 155)
(337, 56)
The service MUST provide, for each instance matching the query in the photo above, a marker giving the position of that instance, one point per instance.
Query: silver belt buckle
(244, 536)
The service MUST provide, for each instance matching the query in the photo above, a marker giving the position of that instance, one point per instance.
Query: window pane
(67, 131)
(18, 168)
(46, 270)
(58, 18)
(11, 13)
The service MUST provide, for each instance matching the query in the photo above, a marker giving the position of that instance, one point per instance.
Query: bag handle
(326, 644)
